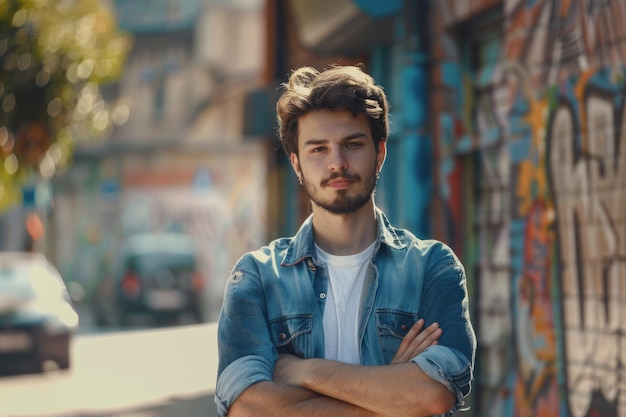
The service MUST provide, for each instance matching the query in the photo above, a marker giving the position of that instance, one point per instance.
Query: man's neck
(345, 234)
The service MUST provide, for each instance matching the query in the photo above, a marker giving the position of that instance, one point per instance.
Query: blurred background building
(182, 160)
(507, 143)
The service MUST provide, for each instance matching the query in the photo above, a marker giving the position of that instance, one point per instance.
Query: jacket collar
(302, 245)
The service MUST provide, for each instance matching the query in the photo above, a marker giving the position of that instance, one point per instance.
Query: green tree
(54, 56)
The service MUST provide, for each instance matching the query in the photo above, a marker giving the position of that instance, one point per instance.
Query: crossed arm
(319, 387)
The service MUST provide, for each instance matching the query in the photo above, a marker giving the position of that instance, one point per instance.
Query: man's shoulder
(429, 249)
(268, 252)
(408, 238)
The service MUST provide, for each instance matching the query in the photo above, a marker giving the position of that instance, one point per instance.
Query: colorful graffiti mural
(587, 144)
(546, 123)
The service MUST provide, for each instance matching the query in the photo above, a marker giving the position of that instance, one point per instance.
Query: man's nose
(337, 160)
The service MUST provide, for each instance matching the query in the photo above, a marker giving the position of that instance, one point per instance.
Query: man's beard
(343, 203)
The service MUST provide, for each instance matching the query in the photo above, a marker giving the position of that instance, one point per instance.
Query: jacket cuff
(448, 367)
(237, 377)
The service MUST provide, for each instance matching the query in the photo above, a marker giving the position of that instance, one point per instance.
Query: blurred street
(139, 372)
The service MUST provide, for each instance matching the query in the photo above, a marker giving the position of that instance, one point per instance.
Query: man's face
(337, 159)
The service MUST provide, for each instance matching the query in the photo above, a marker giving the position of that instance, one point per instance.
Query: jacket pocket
(292, 334)
(392, 326)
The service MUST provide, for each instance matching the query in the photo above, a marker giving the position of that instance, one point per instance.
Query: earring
(300, 180)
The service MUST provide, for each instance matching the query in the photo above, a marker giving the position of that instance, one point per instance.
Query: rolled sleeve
(246, 352)
(448, 367)
(237, 377)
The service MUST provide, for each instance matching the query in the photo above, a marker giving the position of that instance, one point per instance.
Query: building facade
(180, 157)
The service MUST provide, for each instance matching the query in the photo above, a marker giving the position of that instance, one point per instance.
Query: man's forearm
(271, 399)
(398, 390)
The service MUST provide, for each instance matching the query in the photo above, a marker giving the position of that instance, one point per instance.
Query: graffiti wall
(543, 118)
(587, 166)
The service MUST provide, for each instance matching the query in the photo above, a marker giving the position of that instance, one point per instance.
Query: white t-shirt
(346, 275)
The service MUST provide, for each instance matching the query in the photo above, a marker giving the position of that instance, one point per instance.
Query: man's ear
(382, 155)
(295, 164)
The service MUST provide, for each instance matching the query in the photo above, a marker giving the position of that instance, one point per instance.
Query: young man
(351, 316)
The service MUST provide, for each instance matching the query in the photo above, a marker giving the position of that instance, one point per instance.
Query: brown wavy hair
(336, 88)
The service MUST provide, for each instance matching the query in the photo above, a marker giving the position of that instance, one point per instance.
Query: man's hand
(416, 341)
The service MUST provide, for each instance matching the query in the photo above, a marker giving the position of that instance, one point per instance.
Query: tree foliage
(54, 56)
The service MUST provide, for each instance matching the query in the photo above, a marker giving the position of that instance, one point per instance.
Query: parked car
(37, 316)
(155, 276)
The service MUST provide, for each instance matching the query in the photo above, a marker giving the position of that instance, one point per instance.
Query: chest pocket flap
(395, 323)
(292, 334)
(392, 326)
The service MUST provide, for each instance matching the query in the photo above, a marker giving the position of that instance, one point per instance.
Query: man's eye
(353, 145)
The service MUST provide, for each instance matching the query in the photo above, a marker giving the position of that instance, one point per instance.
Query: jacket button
(322, 295)
(404, 327)
(282, 336)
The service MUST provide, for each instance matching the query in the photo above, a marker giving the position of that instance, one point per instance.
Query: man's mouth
(340, 181)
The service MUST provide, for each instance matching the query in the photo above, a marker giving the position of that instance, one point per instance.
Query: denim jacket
(275, 297)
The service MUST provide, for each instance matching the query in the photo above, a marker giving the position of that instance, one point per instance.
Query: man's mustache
(342, 175)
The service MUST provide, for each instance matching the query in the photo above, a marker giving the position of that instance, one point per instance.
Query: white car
(37, 317)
